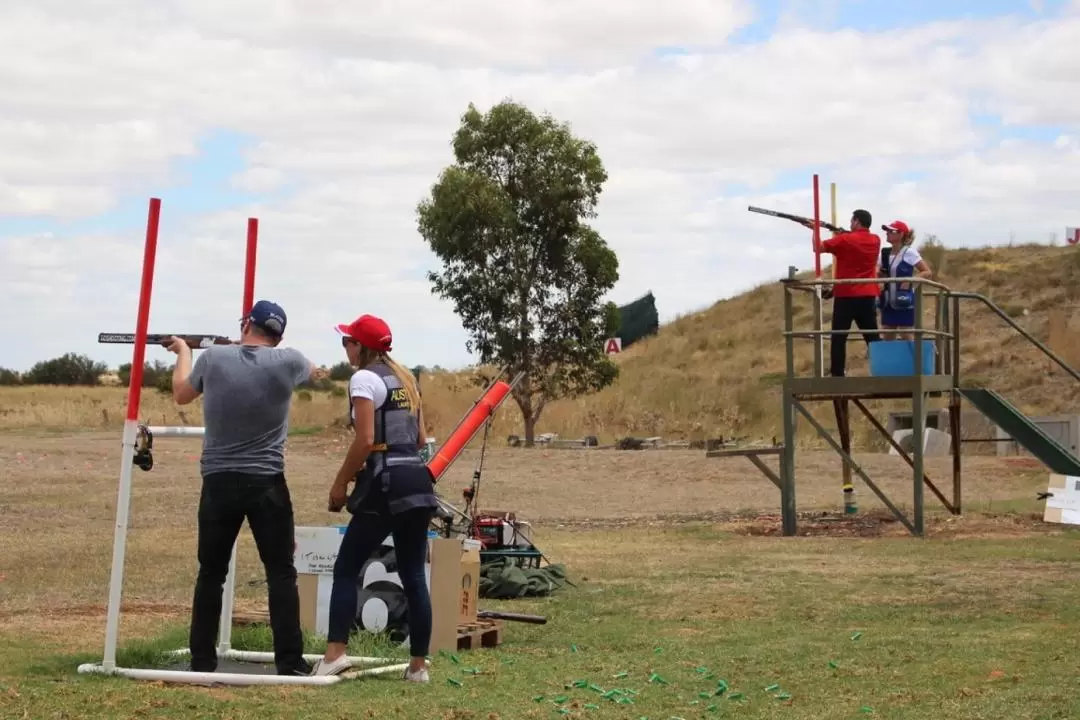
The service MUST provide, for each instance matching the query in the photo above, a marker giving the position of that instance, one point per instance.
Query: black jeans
(861, 310)
(228, 498)
(363, 536)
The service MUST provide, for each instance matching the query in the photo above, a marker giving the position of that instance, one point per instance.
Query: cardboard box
(445, 581)
(470, 580)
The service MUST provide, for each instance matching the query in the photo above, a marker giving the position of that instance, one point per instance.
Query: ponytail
(404, 376)
(407, 379)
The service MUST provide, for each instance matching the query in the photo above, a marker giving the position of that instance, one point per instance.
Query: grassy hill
(717, 371)
(711, 373)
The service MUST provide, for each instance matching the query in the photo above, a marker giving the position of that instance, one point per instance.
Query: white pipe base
(216, 678)
(176, 431)
(240, 679)
(259, 656)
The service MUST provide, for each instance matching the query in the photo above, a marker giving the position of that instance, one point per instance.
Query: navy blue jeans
(363, 536)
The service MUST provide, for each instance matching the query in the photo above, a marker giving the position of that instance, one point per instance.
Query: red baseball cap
(369, 331)
(898, 225)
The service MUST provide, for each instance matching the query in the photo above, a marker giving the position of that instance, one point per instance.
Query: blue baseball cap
(269, 316)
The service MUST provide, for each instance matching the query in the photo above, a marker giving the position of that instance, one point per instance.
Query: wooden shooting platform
(479, 633)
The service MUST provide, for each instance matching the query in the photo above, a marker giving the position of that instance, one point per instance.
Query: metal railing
(945, 330)
(957, 295)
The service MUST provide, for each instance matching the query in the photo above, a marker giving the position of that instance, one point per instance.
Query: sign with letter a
(613, 345)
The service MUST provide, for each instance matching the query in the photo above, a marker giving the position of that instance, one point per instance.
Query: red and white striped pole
(131, 422)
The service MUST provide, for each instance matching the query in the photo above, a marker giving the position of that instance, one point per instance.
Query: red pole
(249, 264)
(139, 353)
(817, 229)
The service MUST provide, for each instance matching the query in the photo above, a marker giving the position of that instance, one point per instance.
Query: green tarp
(637, 320)
(502, 578)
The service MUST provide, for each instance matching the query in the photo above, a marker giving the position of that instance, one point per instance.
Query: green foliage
(68, 369)
(152, 374)
(9, 377)
(934, 253)
(525, 273)
(341, 372)
(157, 376)
(324, 385)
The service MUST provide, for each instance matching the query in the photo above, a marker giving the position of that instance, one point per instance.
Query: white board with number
(1063, 503)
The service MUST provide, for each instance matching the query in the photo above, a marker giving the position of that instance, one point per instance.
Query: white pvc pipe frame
(116, 578)
(108, 665)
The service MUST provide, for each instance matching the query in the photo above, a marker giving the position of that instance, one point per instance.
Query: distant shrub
(935, 255)
(342, 371)
(152, 374)
(68, 369)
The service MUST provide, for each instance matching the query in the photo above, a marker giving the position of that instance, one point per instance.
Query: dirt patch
(882, 523)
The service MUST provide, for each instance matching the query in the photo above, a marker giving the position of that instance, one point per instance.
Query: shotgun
(195, 342)
(807, 222)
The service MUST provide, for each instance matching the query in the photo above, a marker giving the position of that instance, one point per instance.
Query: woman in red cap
(898, 299)
(394, 492)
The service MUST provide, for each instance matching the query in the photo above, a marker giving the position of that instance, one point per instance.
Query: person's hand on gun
(338, 496)
(176, 345)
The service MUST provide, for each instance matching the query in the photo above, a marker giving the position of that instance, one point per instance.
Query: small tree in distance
(68, 369)
(526, 275)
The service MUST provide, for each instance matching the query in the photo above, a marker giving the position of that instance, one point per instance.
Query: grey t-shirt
(247, 391)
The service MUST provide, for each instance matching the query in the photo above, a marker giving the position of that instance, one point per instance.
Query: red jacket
(857, 256)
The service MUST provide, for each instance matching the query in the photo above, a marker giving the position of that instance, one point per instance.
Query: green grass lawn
(687, 622)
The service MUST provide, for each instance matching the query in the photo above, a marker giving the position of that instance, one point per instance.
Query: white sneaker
(420, 676)
(333, 668)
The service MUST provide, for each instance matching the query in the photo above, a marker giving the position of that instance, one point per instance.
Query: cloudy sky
(329, 120)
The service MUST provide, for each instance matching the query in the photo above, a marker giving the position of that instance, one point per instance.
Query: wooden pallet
(479, 633)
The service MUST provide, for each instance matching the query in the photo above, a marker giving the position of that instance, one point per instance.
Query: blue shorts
(897, 318)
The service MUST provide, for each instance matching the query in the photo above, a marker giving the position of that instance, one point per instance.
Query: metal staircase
(1020, 428)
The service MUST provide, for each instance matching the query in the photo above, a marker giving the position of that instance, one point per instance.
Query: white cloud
(350, 110)
(528, 33)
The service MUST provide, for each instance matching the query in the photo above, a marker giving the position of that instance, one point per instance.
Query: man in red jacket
(857, 255)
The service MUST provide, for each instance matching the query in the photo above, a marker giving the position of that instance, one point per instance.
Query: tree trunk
(530, 429)
(524, 399)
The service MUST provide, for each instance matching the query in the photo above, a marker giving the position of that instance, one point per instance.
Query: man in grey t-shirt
(247, 390)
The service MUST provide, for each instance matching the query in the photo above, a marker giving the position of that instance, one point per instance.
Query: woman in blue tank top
(898, 299)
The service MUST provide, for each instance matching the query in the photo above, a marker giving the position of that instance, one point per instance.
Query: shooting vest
(895, 297)
(394, 469)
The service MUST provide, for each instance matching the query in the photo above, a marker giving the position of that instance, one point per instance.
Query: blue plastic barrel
(897, 357)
